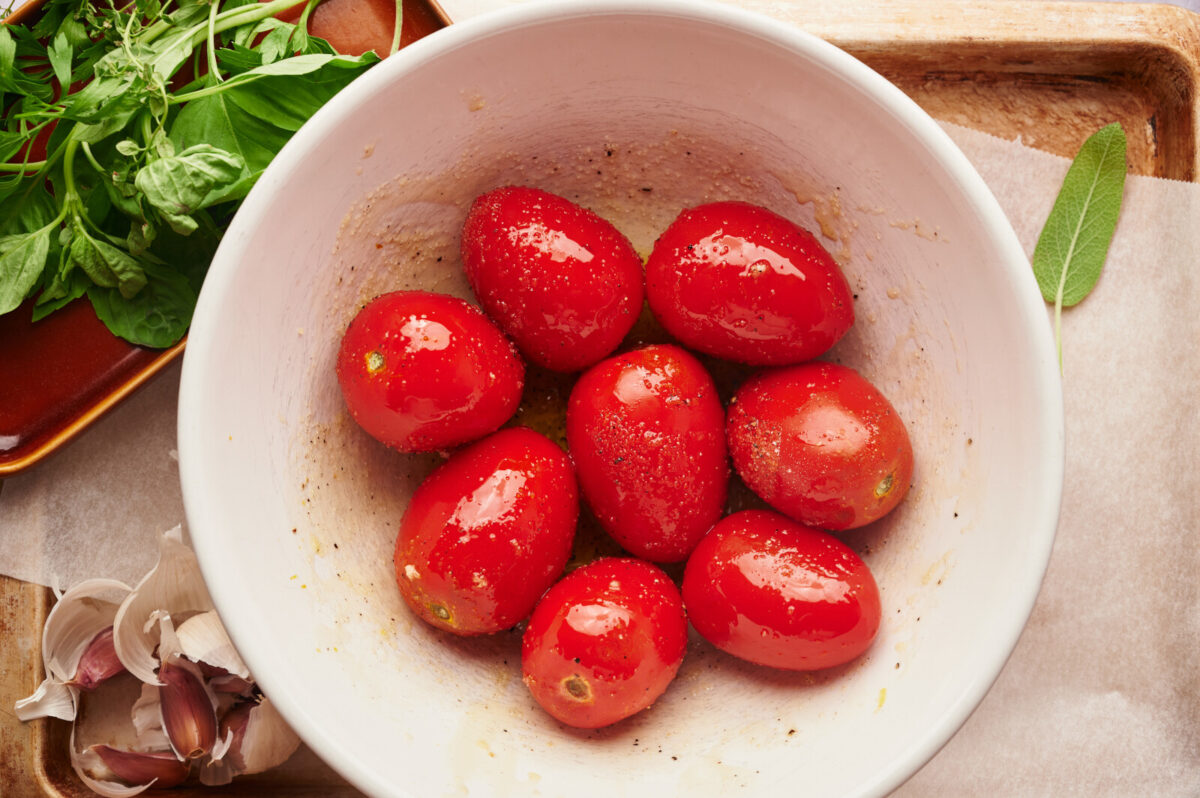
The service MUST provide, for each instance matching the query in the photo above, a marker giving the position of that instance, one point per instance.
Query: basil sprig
(156, 119)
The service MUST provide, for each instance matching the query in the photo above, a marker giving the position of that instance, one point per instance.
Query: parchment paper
(1102, 695)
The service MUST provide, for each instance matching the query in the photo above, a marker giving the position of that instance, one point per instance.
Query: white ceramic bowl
(636, 110)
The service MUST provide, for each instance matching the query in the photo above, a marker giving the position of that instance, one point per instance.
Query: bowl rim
(1046, 382)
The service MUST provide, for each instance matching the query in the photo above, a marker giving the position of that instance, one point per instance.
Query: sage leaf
(1073, 245)
(22, 258)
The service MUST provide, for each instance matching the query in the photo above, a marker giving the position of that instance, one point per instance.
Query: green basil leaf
(102, 98)
(10, 144)
(189, 12)
(141, 236)
(237, 59)
(158, 316)
(22, 259)
(75, 32)
(108, 266)
(288, 102)
(306, 65)
(8, 55)
(149, 9)
(28, 209)
(1073, 245)
(194, 179)
(224, 125)
(275, 45)
(60, 53)
(60, 292)
(169, 53)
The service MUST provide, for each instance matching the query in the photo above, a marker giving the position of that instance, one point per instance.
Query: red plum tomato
(645, 429)
(562, 281)
(421, 371)
(766, 589)
(488, 532)
(821, 444)
(740, 282)
(605, 642)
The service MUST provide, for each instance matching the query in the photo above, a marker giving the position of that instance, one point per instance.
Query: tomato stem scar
(885, 486)
(439, 612)
(374, 361)
(577, 687)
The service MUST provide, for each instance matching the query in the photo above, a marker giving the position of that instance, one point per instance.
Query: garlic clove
(80, 614)
(158, 769)
(97, 777)
(188, 713)
(98, 662)
(173, 587)
(261, 737)
(83, 612)
(52, 699)
(202, 638)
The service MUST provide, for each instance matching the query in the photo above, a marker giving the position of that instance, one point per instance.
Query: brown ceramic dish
(60, 374)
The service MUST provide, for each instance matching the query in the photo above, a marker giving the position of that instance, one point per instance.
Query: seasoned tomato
(562, 281)
(739, 282)
(769, 590)
(645, 429)
(422, 371)
(821, 444)
(604, 643)
(486, 533)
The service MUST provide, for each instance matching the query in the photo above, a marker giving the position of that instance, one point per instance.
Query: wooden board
(1052, 81)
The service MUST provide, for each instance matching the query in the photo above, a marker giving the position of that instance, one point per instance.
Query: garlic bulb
(197, 714)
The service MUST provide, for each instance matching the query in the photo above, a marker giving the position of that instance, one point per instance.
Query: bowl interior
(636, 113)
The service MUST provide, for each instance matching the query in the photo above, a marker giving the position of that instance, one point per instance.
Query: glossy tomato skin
(422, 371)
(559, 279)
(821, 444)
(605, 642)
(645, 429)
(769, 590)
(740, 282)
(486, 533)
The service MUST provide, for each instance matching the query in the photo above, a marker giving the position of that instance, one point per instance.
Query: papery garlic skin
(202, 638)
(175, 587)
(146, 715)
(268, 741)
(51, 699)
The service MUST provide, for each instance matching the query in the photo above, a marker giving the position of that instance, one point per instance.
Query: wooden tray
(1048, 72)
